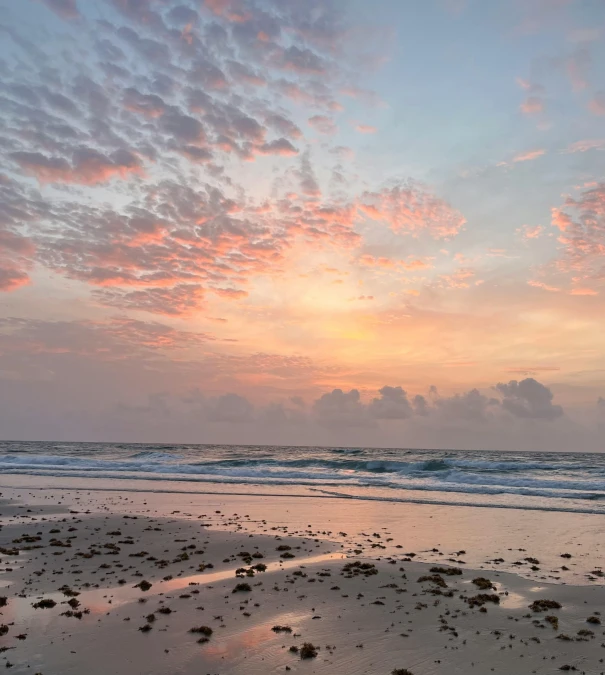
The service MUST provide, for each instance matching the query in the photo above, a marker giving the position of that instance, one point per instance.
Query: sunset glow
(271, 221)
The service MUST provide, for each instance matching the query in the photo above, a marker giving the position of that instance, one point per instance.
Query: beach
(110, 581)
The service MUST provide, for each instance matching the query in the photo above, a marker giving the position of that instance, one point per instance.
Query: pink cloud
(231, 293)
(532, 105)
(281, 146)
(543, 286)
(180, 300)
(365, 129)
(560, 220)
(231, 10)
(583, 291)
(459, 279)
(597, 103)
(577, 65)
(529, 155)
(528, 232)
(585, 146)
(323, 124)
(411, 208)
(88, 166)
(11, 279)
(388, 263)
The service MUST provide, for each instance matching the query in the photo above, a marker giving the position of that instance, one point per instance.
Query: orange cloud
(585, 146)
(532, 105)
(529, 155)
(411, 208)
(388, 263)
(231, 293)
(583, 291)
(11, 279)
(529, 232)
(365, 129)
(543, 286)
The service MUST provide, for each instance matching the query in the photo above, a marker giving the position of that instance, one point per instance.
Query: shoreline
(259, 489)
(386, 610)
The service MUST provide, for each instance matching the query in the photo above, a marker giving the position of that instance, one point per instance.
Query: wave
(363, 471)
(275, 476)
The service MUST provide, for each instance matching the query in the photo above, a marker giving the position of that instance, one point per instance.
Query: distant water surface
(571, 482)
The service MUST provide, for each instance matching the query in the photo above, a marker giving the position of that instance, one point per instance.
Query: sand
(360, 598)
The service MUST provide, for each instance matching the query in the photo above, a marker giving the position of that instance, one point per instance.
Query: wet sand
(102, 583)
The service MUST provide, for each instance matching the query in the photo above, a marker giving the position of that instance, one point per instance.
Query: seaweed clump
(308, 651)
(206, 631)
(401, 671)
(435, 579)
(448, 571)
(480, 599)
(552, 620)
(483, 583)
(543, 605)
(242, 588)
(356, 568)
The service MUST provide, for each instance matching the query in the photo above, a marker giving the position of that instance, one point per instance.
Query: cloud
(597, 104)
(471, 405)
(529, 232)
(393, 404)
(308, 183)
(88, 167)
(536, 283)
(533, 105)
(583, 291)
(182, 299)
(231, 408)
(586, 145)
(281, 146)
(303, 61)
(66, 9)
(283, 126)
(581, 222)
(150, 105)
(338, 408)
(529, 399)
(529, 155)
(389, 263)
(114, 339)
(365, 128)
(323, 124)
(411, 208)
(11, 279)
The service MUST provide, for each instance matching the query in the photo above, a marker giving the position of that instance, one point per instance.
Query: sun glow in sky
(330, 221)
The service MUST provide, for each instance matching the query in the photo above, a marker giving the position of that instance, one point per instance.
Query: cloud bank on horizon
(269, 221)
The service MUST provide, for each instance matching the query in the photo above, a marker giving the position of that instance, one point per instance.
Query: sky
(330, 222)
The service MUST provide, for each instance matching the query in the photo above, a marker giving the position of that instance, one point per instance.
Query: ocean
(566, 482)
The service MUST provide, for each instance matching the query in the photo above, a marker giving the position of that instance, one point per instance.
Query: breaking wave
(546, 476)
